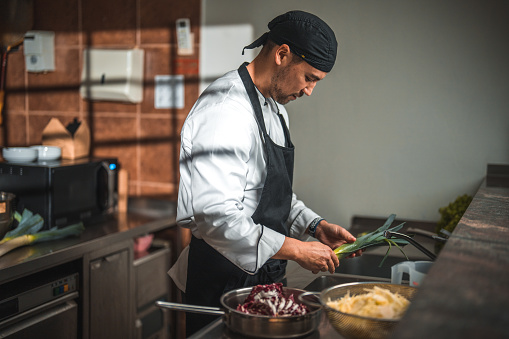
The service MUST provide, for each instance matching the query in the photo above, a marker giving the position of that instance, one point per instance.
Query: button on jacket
(222, 174)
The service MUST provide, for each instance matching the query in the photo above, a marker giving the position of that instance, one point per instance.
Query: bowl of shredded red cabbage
(271, 300)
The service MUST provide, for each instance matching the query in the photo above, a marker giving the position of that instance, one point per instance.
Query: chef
(236, 171)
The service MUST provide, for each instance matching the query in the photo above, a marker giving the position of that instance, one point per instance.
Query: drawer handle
(113, 257)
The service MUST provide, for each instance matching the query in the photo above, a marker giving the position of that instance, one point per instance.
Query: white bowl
(19, 154)
(48, 152)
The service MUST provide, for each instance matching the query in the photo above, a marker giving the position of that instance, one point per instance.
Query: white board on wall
(221, 50)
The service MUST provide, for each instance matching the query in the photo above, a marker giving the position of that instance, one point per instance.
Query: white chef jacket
(222, 173)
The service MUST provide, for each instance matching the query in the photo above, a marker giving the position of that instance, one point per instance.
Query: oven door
(57, 319)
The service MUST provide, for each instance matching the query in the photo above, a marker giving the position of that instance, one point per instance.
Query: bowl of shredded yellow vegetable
(366, 309)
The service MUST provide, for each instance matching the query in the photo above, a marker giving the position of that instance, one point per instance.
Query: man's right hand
(313, 255)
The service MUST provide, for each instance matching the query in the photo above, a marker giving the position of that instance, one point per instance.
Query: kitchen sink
(326, 281)
(367, 265)
(358, 269)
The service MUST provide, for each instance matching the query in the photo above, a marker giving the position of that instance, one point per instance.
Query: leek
(374, 238)
(28, 232)
(30, 239)
(28, 223)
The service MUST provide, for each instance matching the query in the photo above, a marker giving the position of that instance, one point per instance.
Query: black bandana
(307, 35)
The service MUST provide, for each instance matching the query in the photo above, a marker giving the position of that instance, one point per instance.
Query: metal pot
(251, 325)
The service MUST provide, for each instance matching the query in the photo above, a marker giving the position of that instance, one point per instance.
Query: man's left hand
(334, 236)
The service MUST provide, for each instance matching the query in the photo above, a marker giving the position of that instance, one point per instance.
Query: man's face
(293, 81)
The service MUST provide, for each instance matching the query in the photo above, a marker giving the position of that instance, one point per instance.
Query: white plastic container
(416, 270)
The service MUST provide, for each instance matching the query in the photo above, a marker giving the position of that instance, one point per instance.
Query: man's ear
(282, 56)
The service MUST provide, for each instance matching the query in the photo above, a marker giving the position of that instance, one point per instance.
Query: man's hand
(318, 256)
(312, 255)
(334, 236)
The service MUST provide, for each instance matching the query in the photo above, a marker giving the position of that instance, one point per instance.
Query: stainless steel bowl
(6, 212)
(353, 326)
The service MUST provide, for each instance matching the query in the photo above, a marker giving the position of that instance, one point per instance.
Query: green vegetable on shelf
(28, 232)
(452, 213)
(450, 216)
(374, 238)
(28, 223)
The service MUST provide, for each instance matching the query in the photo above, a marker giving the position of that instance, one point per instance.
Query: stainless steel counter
(144, 216)
(116, 286)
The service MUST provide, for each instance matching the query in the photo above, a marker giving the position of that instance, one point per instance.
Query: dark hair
(269, 45)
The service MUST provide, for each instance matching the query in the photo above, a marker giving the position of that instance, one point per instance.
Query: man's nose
(309, 89)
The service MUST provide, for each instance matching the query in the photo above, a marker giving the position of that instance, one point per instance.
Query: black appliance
(42, 305)
(64, 191)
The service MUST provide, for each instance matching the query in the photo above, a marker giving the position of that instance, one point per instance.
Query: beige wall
(412, 113)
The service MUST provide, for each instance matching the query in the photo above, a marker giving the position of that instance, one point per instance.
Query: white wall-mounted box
(112, 75)
(39, 51)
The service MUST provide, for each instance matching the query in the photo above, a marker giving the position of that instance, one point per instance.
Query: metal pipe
(428, 234)
(389, 234)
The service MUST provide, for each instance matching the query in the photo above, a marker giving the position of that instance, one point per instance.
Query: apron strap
(255, 103)
(288, 141)
(253, 97)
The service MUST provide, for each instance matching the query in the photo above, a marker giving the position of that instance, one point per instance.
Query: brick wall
(143, 138)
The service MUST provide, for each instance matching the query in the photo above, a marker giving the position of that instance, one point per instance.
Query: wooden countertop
(466, 294)
(143, 217)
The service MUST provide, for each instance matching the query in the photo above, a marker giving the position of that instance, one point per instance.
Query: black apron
(210, 274)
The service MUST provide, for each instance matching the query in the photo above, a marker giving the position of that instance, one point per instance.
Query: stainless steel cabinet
(110, 297)
(122, 292)
(152, 283)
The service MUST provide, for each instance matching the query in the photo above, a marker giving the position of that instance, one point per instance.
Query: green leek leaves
(375, 238)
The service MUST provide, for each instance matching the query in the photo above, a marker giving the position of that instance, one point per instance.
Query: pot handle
(190, 308)
(308, 302)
